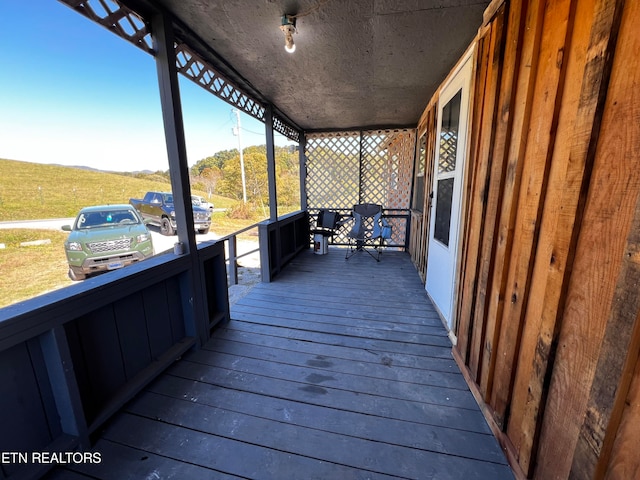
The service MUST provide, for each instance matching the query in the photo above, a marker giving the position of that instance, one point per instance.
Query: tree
(221, 172)
(217, 160)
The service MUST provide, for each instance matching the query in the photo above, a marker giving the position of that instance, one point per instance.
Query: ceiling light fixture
(288, 26)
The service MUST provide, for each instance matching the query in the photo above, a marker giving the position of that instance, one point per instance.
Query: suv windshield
(106, 218)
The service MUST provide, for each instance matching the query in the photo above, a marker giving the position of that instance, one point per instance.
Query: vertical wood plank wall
(548, 303)
(419, 238)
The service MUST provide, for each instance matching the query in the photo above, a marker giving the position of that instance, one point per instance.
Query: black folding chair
(327, 222)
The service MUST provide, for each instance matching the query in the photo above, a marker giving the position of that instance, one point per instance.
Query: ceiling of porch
(358, 63)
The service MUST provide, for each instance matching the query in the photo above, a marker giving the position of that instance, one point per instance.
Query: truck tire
(165, 227)
(204, 231)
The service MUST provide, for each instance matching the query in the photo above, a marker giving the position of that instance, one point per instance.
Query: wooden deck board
(354, 367)
(462, 443)
(336, 370)
(433, 363)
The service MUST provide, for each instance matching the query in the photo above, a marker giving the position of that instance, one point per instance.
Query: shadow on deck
(336, 370)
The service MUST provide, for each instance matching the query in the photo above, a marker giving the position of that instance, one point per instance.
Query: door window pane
(449, 134)
(418, 191)
(443, 210)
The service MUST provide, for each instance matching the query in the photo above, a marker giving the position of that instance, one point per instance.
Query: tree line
(221, 174)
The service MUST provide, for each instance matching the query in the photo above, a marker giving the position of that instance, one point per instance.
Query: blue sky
(73, 93)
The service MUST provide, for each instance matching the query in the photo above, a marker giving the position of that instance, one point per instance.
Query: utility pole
(236, 131)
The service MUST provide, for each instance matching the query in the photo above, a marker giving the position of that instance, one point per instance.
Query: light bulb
(290, 46)
(288, 27)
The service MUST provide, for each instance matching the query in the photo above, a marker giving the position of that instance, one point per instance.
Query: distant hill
(91, 169)
(31, 191)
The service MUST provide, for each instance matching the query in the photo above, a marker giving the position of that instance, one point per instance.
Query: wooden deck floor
(336, 370)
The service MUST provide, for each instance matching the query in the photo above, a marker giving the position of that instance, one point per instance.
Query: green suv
(106, 237)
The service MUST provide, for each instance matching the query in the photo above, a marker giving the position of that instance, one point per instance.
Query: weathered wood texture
(471, 231)
(625, 461)
(333, 370)
(486, 195)
(419, 239)
(548, 305)
(509, 333)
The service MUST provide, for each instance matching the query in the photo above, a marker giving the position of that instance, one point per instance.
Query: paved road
(48, 224)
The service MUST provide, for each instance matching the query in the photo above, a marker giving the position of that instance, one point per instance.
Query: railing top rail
(238, 232)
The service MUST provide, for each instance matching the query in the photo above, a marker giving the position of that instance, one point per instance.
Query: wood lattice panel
(133, 27)
(116, 17)
(347, 168)
(333, 170)
(402, 147)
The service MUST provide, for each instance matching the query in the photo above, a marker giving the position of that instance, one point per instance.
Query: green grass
(31, 270)
(31, 191)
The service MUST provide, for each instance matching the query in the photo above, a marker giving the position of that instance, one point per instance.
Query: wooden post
(64, 386)
(173, 128)
(302, 158)
(233, 263)
(191, 287)
(271, 163)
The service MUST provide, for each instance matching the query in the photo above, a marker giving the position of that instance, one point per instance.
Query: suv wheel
(76, 276)
(165, 227)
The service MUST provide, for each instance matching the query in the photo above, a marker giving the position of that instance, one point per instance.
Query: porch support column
(302, 158)
(191, 285)
(173, 127)
(271, 163)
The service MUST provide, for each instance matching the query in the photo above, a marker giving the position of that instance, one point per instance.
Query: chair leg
(361, 247)
(351, 251)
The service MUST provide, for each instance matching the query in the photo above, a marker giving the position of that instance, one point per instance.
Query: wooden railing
(281, 240)
(232, 255)
(71, 358)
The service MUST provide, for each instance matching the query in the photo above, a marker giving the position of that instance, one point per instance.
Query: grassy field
(31, 270)
(30, 191)
(28, 271)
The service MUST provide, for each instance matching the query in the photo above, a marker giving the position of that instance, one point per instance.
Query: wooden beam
(302, 159)
(492, 10)
(191, 288)
(173, 127)
(271, 163)
(618, 357)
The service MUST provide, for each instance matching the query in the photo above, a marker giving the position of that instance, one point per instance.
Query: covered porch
(339, 369)
(334, 370)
